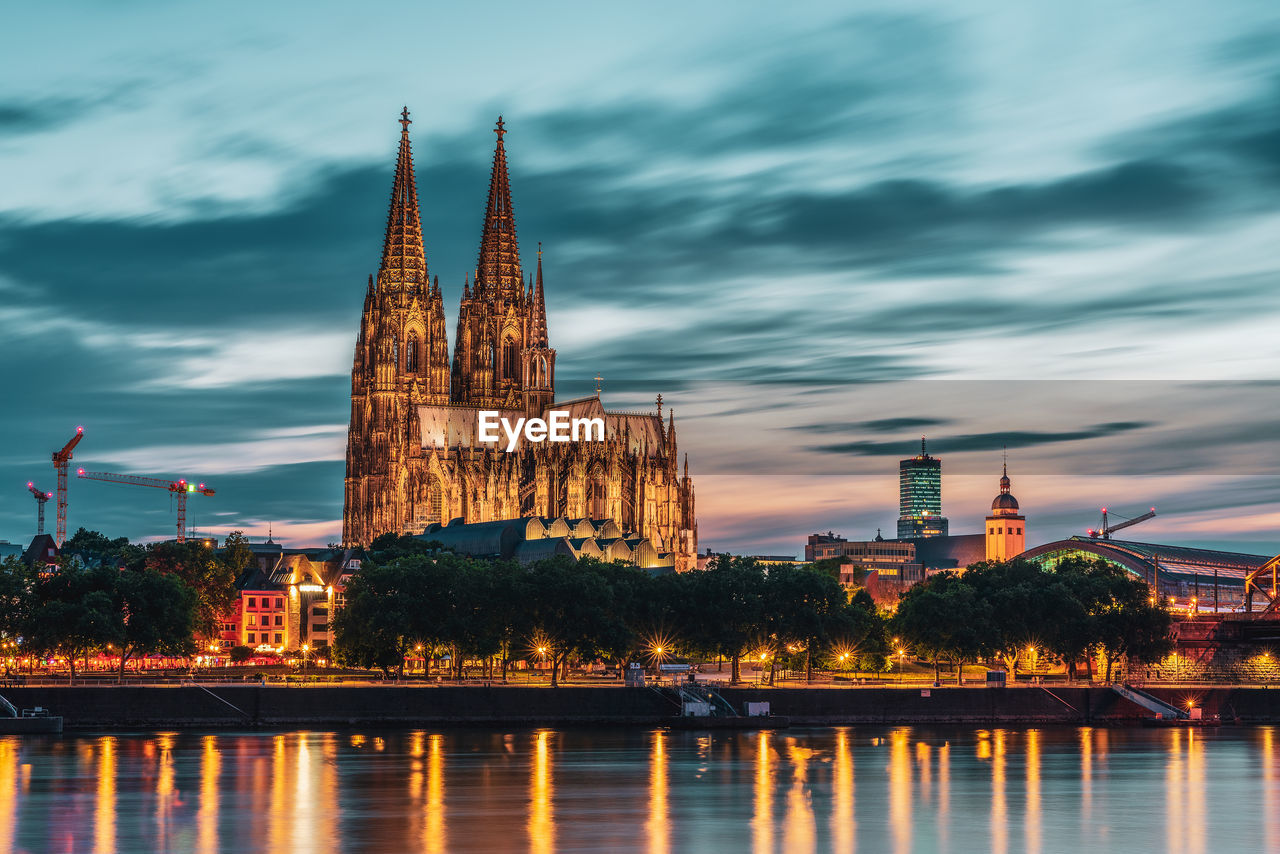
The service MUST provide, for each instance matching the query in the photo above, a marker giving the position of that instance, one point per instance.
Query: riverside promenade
(223, 705)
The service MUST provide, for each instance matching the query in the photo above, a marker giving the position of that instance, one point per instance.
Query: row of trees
(413, 595)
(998, 610)
(112, 595)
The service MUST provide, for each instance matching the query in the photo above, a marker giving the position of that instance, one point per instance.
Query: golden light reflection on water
(999, 806)
(164, 788)
(435, 836)
(278, 821)
(104, 819)
(844, 822)
(8, 790)
(762, 819)
(900, 789)
(799, 831)
(1196, 814)
(542, 829)
(1269, 800)
(1086, 776)
(1033, 791)
(658, 825)
(944, 794)
(289, 792)
(207, 815)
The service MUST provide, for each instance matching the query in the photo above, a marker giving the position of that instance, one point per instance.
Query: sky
(819, 230)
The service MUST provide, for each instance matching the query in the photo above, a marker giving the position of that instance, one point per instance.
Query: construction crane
(179, 488)
(41, 497)
(60, 460)
(1107, 529)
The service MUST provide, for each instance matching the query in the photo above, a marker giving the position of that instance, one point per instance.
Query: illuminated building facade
(414, 459)
(920, 497)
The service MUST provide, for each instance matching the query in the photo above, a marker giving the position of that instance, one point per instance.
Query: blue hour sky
(818, 229)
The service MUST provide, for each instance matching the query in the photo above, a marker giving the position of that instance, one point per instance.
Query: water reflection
(8, 790)
(762, 820)
(104, 820)
(871, 789)
(658, 824)
(207, 817)
(799, 830)
(542, 830)
(844, 824)
(900, 789)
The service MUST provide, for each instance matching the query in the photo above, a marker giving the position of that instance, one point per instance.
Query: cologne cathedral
(413, 458)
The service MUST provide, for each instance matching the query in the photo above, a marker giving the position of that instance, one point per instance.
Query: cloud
(25, 116)
(988, 441)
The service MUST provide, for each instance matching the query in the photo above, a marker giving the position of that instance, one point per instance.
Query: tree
(724, 609)
(944, 618)
(211, 577)
(157, 614)
(572, 609)
(17, 599)
(375, 629)
(1129, 624)
(236, 554)
(1024, 602)
(805, 609)
(75, 612)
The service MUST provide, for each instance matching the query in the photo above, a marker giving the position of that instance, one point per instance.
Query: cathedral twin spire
(498, 266)
(404, 260)
(500, 323)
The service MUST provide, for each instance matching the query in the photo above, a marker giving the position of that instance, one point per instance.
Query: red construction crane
(1106, 530)
(60, 460)
(41, 497)
(180, 488)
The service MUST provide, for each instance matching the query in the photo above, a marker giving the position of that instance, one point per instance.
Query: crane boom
(181, 488)
(60, 460)
(1107, 529)
(41, 497)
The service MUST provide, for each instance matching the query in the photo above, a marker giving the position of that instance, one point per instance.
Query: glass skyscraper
(920, 496)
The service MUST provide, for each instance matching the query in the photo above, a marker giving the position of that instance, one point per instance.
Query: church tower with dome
(1006, 527)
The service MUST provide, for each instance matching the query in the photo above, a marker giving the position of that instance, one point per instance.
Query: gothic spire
(403, 260)
(499, 264)
(538, 334)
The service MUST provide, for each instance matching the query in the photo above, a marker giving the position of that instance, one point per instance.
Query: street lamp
(901, 655)
(306, 647)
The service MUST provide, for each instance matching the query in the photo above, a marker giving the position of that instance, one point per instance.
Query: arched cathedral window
(510, 360)
(411, 355)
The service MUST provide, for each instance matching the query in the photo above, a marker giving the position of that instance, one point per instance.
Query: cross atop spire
(500, 130)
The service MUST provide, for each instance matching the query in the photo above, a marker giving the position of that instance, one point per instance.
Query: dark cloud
(878, 425)
(986, 441)
(20, 117)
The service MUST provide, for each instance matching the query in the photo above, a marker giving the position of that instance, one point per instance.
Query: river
(871, 789)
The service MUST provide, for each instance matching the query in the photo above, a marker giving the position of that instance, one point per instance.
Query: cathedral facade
(413, 455)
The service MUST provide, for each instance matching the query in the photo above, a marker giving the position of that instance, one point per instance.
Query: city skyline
(817, 238)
